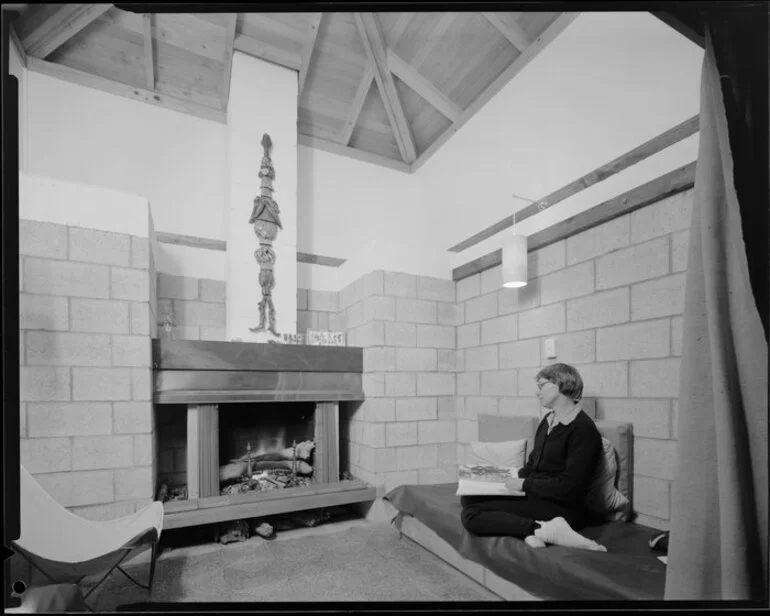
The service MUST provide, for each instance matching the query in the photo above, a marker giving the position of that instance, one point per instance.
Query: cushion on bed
(505, 453)
(603, 498)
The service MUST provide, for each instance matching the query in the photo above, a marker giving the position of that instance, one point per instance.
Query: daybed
(629, 570)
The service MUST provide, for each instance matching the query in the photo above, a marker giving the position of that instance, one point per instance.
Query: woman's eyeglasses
(542, 384)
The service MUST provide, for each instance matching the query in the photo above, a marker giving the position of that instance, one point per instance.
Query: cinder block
(377, 409)
(675, 419)
(491, 279)
(49, 277)
(542, 321)
(651, 417)
(132, 417)
(131, 483)
(131, 351)
(652, 496)
(400, 384)
(355, 315)
(373, 434)
(171, 286)
(598, 310)
(449, 314)
(474, 406)
(103, 247)
(67, 349)
(499, 383)
(416, 310)
(372, 283)
(447, 452)
(43, 312)
(481, 307)
(634, 341)
(436, 336)
(394, 479)
(604, 380)
(22, 358)
(347, 296)
(527, 381)
(143, 449)
(469, 335)
(140, 318)
(46, 455)
(199, 314)
(385, 459)
(447, 408)
(567, 283)
(435, 384)
(438, 289)
(304, 321)
(373, 384)
(100, 315)
(599, 240)
(417, 456)
(670, 214)
(467, 431)
(302, 299)
(499, 329)
(210, 290)
(42, 239)
(516, 300)
(44, 384)
(141, 383)
(371, 334)
(416, 409)
(23, 420)
(79, 488)
(467, 288)
(520, 354)
(47, 419)
(379, 359)
(140, 252)
(577, 348)
(680, 244)
(101, 384)
(397, 284)
(416, 360)
(401, 334)
(130, 284)
(187, 332)
(655, 458)
(547, 259)
(529, 406)
(633, 264)
(655, 378)
(468, 383)
(439, 474)
(658, 298)
(447, 360)
(98, 452)
(481, 358)
(323, 301)
(677, 331)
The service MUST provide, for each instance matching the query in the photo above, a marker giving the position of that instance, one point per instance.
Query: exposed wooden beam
(422, 86)
(434, 38)
(514, 33)
(232, 24)
(307, 50)
(305, 257)
(373, 42)
(19, 47)
(66, 22)
(149, 56)
(72, 75)
(190, 241)
(548, 35)
(358, 103)
(336, 148)
(267, 52)
(639, 153)
(402, 22)
(661, 187)
(685, 21)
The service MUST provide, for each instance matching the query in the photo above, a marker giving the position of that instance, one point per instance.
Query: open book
(484, 479)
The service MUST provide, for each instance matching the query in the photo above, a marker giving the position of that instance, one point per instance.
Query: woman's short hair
(566, 378)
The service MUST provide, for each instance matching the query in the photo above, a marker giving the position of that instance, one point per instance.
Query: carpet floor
(343, 561)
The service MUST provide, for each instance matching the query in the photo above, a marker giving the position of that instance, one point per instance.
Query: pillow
(603, 497)
(503, 454)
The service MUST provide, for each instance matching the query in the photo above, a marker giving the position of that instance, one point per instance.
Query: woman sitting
(556, 477)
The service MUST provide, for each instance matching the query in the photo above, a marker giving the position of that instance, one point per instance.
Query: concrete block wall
(86, 320)
(317, 310)
(612, 299)
(191, 308)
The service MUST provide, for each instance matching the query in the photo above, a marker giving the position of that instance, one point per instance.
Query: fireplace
(252, 429)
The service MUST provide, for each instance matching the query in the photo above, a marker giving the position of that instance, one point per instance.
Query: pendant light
(514, 258)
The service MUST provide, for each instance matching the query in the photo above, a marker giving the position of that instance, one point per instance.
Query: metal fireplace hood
(209, 372)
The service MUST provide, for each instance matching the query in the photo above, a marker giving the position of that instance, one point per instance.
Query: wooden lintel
(548, 35)
(66, 22)
(673, 135)
(513, 32)
(191, 241)
(232, 24)
(307, 50)
(269, 53)
(304, 257)
(664, 186)
(336, 148)
(374, 45)
(121, 89)
(422, 86)
(355, 108)
(149, 56)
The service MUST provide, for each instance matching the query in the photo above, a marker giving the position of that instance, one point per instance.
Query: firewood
(232, 470)
(303, 451)
(227, 532)
(265, 530)
(303, 468)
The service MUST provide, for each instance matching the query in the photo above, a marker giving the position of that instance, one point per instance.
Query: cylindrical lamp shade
(515, 261)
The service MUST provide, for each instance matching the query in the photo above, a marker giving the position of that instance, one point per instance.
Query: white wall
(16, 68)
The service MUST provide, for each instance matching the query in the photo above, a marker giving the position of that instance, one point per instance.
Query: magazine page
(484, 479)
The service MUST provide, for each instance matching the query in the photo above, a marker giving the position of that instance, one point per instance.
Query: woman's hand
(514, 485)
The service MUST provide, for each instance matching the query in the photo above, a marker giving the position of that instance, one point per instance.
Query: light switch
(550, 348)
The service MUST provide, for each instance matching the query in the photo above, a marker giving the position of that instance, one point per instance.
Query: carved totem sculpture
(265, 216)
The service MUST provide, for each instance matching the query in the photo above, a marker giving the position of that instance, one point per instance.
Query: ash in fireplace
(286, 468)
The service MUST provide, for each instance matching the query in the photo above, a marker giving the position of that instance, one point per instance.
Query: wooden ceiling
(389, 87)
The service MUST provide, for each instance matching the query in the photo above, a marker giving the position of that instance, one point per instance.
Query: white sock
(559, 532)
(534, 542)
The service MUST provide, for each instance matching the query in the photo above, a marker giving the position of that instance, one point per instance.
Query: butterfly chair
(67, 548)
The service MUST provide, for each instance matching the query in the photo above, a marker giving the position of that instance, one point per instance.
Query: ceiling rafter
(372, 39)
(61, 26)
(265, 51)
(357, 105)
(422, 86)
(307, 50)
(149, 56)
(232, 26)
(513, 32)
(436, 35)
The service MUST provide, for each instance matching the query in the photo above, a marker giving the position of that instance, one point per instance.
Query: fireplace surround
(213, 378)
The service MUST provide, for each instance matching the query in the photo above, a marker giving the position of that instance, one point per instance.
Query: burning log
(303, 451)
(238, 469)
